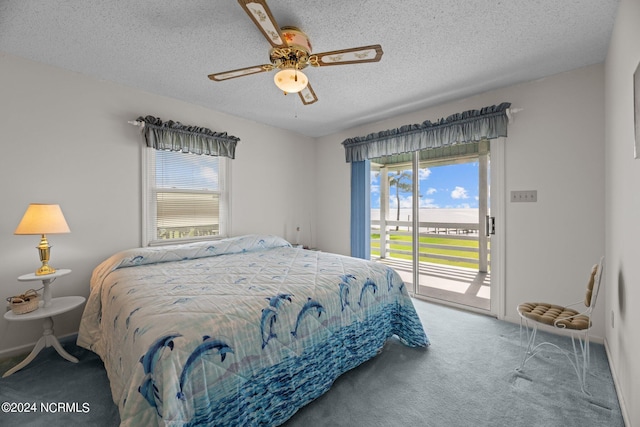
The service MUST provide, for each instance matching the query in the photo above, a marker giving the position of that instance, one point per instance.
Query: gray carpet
(466, 378)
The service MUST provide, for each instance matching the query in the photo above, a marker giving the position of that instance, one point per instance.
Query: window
(186, 197)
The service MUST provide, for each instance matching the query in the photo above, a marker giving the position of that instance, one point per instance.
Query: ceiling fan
(291, 52)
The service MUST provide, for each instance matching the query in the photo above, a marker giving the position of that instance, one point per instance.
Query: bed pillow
(157, 254)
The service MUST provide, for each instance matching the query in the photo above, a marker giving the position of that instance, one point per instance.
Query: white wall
(65, 139)
(623, 210)
(555, 146)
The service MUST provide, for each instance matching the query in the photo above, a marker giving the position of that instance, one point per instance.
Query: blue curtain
(361, 209)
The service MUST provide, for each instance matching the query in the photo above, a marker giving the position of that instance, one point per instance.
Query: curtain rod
(510, 115)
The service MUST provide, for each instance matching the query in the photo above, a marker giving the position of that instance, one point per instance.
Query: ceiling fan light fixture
(290, 80)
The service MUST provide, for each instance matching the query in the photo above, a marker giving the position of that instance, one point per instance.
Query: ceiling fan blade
(240, 72)
(307, 95)
(260, 14)
(356, 55)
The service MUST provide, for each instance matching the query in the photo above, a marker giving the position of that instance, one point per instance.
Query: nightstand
(57, 306)
(46, 281)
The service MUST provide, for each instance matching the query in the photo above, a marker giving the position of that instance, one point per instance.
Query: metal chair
(566, 318)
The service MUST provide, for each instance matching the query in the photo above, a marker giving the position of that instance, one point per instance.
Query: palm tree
(399, 182)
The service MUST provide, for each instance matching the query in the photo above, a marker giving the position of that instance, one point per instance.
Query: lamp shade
(290, 80)
(42, 219)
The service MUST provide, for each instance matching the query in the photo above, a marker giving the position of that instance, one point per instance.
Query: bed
(241, 331)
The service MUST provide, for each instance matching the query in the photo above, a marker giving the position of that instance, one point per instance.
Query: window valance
(175, 136)
(473, 125)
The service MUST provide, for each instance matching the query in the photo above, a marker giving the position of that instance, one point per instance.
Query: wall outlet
(524, 196)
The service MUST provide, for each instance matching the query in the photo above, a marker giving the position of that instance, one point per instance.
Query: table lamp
(43, 219)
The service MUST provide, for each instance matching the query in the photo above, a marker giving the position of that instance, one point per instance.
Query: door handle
(490, 225)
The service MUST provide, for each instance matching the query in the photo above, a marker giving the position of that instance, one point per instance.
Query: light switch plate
(524, 196)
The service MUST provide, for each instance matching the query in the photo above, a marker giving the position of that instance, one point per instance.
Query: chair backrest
(593, 286)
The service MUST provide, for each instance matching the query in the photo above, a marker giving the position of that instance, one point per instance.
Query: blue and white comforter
(242, 331)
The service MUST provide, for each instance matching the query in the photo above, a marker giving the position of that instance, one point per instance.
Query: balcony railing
(446, 243)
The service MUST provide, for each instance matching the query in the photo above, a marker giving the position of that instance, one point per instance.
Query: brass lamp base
(44, 270)
(44, 250)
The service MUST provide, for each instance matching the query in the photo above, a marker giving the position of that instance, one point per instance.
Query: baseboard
(451, 304)
(25, 349)
(614, 375)
(16, 351)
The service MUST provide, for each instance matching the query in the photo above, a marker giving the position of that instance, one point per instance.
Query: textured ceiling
(434, 51)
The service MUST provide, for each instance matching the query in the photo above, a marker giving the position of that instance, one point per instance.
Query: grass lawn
(404, 243)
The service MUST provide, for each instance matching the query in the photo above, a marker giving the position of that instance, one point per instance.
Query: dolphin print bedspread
(241, 331)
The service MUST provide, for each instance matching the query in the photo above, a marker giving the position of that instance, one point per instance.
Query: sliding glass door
(430, 212)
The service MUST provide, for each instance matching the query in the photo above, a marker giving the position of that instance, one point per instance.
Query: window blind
(185, 197)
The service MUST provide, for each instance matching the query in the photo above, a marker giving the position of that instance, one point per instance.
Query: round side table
(48, 339)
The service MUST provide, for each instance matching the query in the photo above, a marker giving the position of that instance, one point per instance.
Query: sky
(448, 186)
(186, 171)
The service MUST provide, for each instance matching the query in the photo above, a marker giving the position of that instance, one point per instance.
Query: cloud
(431, 191)
(459, 193)
(210, 175)
(424, 173)
(405, 202)
(428, 203)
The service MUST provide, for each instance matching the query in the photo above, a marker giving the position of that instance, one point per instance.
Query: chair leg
(588, 351)
(531, 338)
(576, 364)
(586, 360)
(579, 366)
